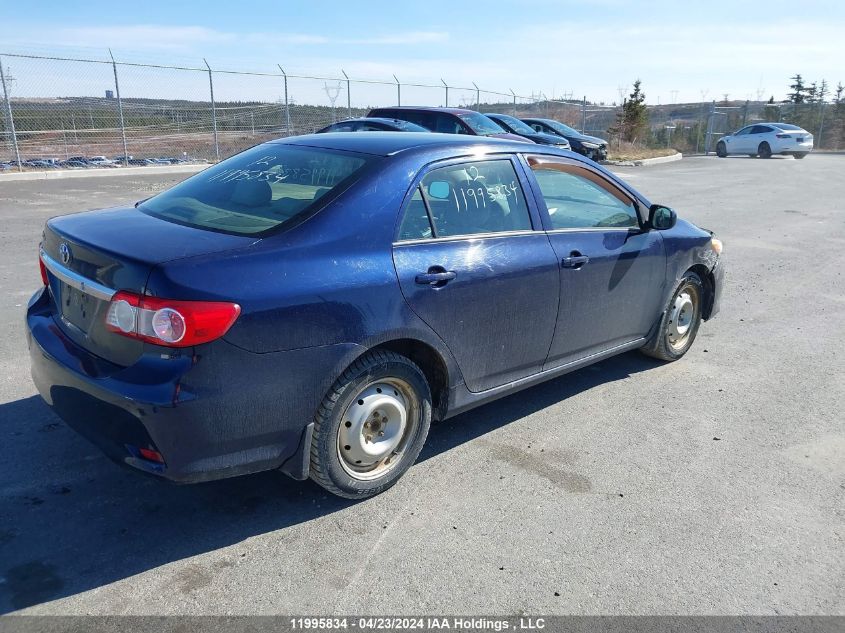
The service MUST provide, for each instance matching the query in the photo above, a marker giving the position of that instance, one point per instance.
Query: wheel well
(431, 363)
(709, 288)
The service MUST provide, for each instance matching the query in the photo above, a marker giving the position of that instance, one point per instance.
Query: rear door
(612, 271)
(472, 266)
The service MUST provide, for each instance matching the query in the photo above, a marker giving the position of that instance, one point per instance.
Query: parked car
(373, 124)
(312, 303)
(515, 126)
(592, 147)
(101, 161)
(39, 163)
(75, 162)
(766, 139)
(141, 162)
(447, 121)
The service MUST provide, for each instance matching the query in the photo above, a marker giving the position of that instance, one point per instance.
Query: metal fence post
(708, 136)
(213, 111)
(9, 114)
(745, 113)
(821, 124)
(477, 97)
(447, 92)
(287, 105)
(120, 110)
(584, 115)
(514, 100)
(348, 95)
(398, 91)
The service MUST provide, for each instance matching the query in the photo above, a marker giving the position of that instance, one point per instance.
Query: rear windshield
(480, 124)
(515, 124)
(787, 126)
(257, 190)
(563, 128)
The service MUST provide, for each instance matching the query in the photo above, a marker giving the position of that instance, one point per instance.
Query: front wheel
(764, 150)
(721, 150)
(800, 155)
(371, 426)
(680, 321)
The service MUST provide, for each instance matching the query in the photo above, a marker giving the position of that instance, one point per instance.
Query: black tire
(764, 150)
(800, 155)
(752, 156)
(337, 474)
(721, 150)
(661, 345)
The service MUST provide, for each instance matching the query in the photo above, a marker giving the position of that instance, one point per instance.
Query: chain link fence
(61, 109)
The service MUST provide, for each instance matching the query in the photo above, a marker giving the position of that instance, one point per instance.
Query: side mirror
(661, 218)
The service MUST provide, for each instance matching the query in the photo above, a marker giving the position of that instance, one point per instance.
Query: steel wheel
(376, 427)
(683, 316)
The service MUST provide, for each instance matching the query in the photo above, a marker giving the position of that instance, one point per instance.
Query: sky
(682, 51)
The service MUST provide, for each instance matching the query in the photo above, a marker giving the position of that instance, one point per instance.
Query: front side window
(577, 198)
(744, 131)
(257, 190)
(466, 199)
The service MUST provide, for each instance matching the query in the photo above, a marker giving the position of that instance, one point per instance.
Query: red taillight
(168, 321)
(151, 455)
(44, 278)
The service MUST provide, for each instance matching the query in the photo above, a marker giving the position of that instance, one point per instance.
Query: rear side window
(578, 198)
(467, 199)
(257, 190)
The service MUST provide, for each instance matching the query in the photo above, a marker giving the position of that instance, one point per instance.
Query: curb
(101, 173)
(644, 162)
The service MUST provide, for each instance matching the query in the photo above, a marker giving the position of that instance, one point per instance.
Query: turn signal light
(168, 321)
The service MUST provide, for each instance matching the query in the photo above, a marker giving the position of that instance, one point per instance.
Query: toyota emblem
(64, 253)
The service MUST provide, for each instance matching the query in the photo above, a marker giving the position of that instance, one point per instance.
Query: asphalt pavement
(714, 485)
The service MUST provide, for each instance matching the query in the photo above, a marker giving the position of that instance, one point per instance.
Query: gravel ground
(714, 485)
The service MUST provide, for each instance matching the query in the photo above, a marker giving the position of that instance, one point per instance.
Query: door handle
(575, 260)
(436, 279)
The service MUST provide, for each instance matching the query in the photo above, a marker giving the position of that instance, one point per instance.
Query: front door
(612, 271)
(472, 267)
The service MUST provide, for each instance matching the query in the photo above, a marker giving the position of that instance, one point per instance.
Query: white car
(102, 161)
(765, 139)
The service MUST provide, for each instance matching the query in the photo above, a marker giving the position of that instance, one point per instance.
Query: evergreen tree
(771, 112)
(632, 121)
(798, 90)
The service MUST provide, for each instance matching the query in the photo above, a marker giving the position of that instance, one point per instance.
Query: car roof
(389, 143)
(429, 109)
(380, 119)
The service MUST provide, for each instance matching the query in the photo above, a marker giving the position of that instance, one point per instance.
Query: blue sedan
(313, 303)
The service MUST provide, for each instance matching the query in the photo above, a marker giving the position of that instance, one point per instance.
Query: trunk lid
(91, 255)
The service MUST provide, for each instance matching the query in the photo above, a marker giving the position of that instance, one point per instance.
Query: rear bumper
(791, 147)
(213, 411)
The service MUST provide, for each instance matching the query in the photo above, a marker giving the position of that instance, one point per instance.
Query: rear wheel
(721, 149)
(764, 150)
(371, 426)
(800, 155)
(680, 321)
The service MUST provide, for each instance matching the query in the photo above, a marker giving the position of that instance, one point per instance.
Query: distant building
(109, 94)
